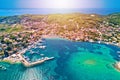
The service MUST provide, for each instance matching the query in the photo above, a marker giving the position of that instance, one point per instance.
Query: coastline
(100, 42)
(53, 30)
(19, 59)
(10, 62)
(21, 52)
(11, 59)
(45, 66)
(116, 64)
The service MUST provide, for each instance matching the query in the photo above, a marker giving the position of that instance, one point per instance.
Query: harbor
(28, 64)
(69, 57)
(20, 58)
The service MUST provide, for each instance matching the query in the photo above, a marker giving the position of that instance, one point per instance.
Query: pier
(28, 64)
(18, 57)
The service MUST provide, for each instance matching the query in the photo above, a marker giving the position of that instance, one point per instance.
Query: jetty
(18, 57)
(28, 64)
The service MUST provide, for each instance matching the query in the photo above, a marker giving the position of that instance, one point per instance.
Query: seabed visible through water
(73, 61)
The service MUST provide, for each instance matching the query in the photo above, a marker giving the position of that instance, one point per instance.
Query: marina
(70, 61)
(19, 57)
(28, 64)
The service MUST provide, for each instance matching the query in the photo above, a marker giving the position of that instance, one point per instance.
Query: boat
(28, 59)
(49, 58)
(39, 44)
(99, 42)
(118, 52)
(118, 55)
(0, 66)
(31, 52)
(39, 59)
(41, 54)
(42, 47)
(3, 68)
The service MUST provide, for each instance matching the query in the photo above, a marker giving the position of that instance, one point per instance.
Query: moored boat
(3, 68)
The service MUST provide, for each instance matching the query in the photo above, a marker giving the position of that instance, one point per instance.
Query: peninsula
(19, 32)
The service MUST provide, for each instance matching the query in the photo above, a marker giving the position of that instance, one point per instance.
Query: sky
(59, 4)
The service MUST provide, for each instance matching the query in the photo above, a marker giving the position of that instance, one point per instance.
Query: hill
(17, 32)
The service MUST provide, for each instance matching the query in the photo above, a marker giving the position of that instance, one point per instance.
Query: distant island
(19, 32)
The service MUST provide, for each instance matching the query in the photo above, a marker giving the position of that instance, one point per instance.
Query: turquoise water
(73, 61)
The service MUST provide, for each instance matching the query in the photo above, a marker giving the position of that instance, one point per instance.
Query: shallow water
(73, 61)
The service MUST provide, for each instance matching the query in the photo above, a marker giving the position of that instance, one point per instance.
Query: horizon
(22, 11)
(59, 8)
(59, 40)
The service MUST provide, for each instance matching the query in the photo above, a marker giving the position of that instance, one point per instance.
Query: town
(18, 32)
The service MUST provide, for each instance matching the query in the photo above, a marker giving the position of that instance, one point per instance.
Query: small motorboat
(41, 54)
(42, 47)
(3, 68)
(118, 52)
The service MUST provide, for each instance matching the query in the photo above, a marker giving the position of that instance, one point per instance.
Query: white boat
(99, 41)
(118, 52)
(42, 47)
(118, 55)
(3, 68)
(39, 44)
(48, 58)
(41, 54)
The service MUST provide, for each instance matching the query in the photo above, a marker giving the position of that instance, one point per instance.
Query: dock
(41, 61)
(18, 57)
(28, 64)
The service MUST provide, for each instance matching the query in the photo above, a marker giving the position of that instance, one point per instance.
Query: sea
(72, 60)
(22, 11)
